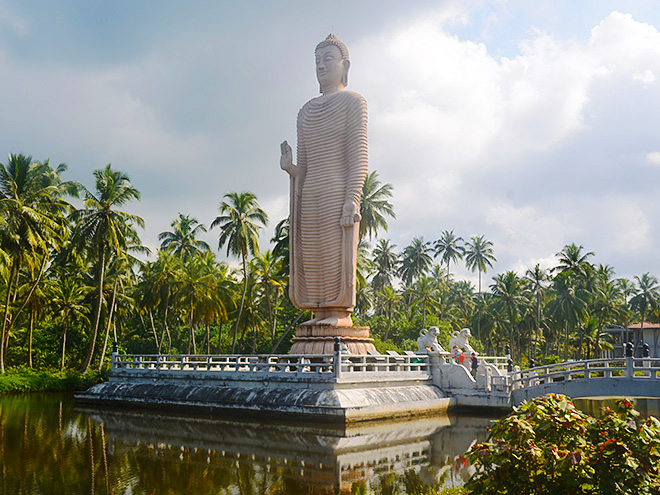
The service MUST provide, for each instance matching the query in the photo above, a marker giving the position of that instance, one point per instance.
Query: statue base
(317, 339)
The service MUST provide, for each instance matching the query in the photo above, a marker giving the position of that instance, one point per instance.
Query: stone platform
(332, 388)
(317, 339)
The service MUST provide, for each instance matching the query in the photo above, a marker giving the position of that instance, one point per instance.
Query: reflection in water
(47, 447)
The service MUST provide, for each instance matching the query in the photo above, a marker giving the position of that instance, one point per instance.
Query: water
(48, 446)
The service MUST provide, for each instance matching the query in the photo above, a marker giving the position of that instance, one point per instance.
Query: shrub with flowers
(548, 446)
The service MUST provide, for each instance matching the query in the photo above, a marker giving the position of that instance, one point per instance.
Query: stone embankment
(335, 388)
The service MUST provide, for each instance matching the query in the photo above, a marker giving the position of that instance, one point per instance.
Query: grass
(21, 380)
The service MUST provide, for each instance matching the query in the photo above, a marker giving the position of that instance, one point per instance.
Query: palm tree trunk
(5, 317)
(164, 326)
(424, 314)
(153, 329)
(219, 337)
(97, 319)
(31, 291)
(273, 328)
(30, 332)
(110, 315)
(288, 329)
(240, 309)
(66, 329)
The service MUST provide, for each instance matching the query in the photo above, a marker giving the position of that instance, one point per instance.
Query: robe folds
(332, 166)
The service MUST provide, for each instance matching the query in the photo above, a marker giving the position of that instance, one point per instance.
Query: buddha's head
(332, 64)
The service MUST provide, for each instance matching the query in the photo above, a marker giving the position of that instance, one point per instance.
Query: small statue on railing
(460, 339)
(428, 340)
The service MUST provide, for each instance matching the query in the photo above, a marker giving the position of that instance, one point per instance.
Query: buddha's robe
(332, 161)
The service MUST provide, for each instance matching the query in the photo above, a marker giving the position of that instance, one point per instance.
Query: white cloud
(525, 232)
(630, 229)
(653, 157)
(521, 149)
(645, 77)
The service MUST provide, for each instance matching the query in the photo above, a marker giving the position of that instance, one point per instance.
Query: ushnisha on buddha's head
(332, 64)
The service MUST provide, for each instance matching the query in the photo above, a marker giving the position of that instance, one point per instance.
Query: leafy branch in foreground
(549, 446)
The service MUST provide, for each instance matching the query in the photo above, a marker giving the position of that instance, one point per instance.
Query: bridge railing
(592, 369)
(318, 368)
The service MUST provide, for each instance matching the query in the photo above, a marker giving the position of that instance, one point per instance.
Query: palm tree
(646, 298)
(67, 304)
(103, 229)
(389, 299)
(374, 206)
(384, 260)
(364, 266)
(569, 303)
(572, 258)
(424, 295)
(479, 255)
(415, 260)
(508, 295)
(450, 248)
(595, 338)
(280, 242)
(607, 306)
(31, 208)
(157, 284)
(240, 220)
(266, 268)
(120, 274)
(536, 279)
(197, 290)
(183, 241)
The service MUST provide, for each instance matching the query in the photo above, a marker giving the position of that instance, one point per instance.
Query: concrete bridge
(593, 378)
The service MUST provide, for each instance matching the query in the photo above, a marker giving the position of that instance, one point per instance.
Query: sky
(533, 123)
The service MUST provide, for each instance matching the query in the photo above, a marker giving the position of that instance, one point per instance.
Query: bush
(549, 446)
(20, 380)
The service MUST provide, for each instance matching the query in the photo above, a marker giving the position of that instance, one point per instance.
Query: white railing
(318, 368)
(385, 363)
(222, 366)
(498, 361)
(592, 369)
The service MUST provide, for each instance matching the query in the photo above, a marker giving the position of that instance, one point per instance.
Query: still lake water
(48, 446)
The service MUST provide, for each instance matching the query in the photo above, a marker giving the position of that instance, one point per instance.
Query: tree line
(74, 280)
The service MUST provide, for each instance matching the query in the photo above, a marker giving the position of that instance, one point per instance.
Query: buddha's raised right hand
(286, 161)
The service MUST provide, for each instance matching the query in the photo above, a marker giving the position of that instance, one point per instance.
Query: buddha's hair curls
(333, 40)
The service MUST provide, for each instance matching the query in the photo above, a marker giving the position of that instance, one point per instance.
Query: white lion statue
(460, 338)
(428, 339)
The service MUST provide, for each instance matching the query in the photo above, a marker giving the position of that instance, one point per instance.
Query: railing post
(434, 360)
(336, 359)
(488, 382)
(630, 372)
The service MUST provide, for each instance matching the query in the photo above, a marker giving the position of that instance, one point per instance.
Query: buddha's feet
(335, 321)
(331, 319)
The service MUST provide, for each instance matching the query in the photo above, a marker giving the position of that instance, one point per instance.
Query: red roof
(649, 325)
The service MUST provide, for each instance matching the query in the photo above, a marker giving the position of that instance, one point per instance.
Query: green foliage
(550, 359)
(549, 446)
(20, 380)
(388, 345)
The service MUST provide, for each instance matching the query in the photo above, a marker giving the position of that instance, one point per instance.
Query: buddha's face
(330, 67)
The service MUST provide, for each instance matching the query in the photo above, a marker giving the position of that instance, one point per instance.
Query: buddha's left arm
(357, 154)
